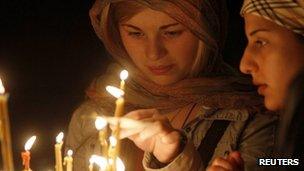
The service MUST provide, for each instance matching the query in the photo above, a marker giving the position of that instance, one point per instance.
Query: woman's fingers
(159, 128)
(222, 163)
(142, 114)
(172, 137)
(124, 133)
(235, 157)
(216, 168)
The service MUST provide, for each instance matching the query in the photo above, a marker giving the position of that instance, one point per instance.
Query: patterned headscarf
(286, 13)
(206, 19)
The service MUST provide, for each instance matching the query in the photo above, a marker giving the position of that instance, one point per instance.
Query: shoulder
(243, 114)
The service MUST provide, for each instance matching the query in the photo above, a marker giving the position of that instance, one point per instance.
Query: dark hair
(300, 38)
(291, 130)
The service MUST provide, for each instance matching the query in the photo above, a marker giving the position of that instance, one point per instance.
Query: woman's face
(159, 46)
(273, 56)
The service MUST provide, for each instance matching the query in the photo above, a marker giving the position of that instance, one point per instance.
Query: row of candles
(109, 160)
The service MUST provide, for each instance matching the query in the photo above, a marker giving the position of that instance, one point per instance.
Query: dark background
(48, 56)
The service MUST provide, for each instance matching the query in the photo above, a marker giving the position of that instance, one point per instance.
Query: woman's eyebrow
(131, 26)
(161, 28)
(257, 31)
(168, 25)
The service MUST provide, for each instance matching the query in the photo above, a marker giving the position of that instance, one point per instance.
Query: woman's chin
(164, 80)
(272, 104)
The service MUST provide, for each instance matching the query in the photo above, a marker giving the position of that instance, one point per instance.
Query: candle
(26, 156)
(6, 145)
(113, 143)
(91, 163)
(68, 161)
(101, 126)
(118, 93)
(123, 76)
(113, 152)
(58, 157)
(119, 110)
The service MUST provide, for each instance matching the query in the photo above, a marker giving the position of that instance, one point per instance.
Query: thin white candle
(6, 145)
(123, 76)
(101, 126)
(58, 156)
(118, 93)
(68, 161)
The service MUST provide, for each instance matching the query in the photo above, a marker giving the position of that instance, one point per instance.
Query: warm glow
(120, 165)
(124, 74)
(92, 159)
(113, 141)
(2, 90)
(59, 137)
(114, 91)
(28, 145)
(100, 123)
(102, 162)
(99, 160)
(70, 153)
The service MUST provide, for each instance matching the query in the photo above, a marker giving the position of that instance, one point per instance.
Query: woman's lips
(160, 70)
(261, 89)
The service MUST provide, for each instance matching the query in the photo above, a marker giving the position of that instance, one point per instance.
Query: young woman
(198, 106)
(273, 57)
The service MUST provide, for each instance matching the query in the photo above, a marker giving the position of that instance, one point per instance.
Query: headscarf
(220, 87)
(286, 13)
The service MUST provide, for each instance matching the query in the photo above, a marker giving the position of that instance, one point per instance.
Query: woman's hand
(233, 162)
(159, 137)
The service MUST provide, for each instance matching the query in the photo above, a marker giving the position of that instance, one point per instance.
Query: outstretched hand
(159, 137)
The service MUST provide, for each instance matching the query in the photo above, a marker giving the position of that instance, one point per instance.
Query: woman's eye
(173, 33)
(135, 34)
(260, 43)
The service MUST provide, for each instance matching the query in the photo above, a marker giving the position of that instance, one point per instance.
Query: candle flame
(114, 91)
(29, 143)
(59, 137)
(99, 160)
(124, 74)
(70, 153)
(113, 141)
(102, 162)
(120, 165)
(2, 90)
(100, 123)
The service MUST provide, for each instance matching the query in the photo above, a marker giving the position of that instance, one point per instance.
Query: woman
(273, 57)
(198, 106)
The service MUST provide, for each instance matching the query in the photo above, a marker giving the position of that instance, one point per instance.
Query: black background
(48, 55)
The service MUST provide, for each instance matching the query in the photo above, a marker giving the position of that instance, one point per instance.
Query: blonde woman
(197, 106)
(273, 57)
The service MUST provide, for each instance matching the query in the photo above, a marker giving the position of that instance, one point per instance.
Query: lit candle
(123, 76)
(5, 133)
(101, 126)
(26, 156)
(113, 143)
(68, 161)
(113, 152)
(119, 110)
(118, 93)
(91, 166)
(58, 157)
(102, 163)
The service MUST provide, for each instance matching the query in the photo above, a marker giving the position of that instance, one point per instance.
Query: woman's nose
(247, 64)
(155, 49)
